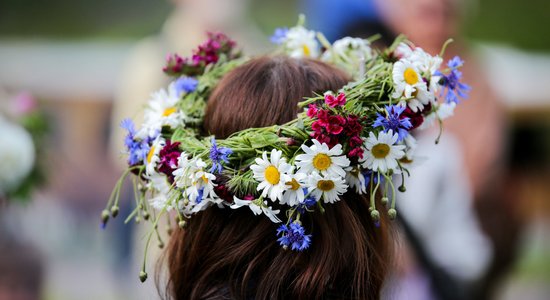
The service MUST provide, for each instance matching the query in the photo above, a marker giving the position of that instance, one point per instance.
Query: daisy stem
(389, 180)
(372, 195)
(149, 235)
(440, 131)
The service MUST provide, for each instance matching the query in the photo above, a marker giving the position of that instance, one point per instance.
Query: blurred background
(86, 65)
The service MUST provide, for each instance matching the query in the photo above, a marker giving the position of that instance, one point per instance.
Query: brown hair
(234, 254)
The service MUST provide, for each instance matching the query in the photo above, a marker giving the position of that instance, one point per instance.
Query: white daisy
(257, 207)
(301, 42)
(406, 79)
(355, 179)
(419, 98)
(294, 193)
(161, 191)
(441, 112)
(403, 50)
(161, 111)
(321, 159)
(349, 53)
(409, 158)
(271, 174)
(427, 65)
(329, 188)
(181, 177)
(381, 153)
(202, 183)
(153, 156)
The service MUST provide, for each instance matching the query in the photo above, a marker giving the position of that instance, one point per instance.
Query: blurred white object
(437, 205)
(519, 78)
(17, 155)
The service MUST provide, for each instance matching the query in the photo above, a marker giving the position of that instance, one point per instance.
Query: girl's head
(225, 252)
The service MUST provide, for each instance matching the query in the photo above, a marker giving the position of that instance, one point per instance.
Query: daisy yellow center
(306, 50)
(150, 154)
(272, 175)
(321, 161)
(380, 150)
(168, 111)
(204, 179)
(325, 185)
(294, 185)
(410, 76)
(405, 160)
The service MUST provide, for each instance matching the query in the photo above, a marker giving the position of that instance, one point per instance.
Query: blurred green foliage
(522, 24)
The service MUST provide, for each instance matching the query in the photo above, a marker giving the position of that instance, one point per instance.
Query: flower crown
(354, 139)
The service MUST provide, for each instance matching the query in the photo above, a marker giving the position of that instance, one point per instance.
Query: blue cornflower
(186, 85)
(452, 87)
(368, 174)
(393, 120)
(200, 196)
(308, 203)
(137, 150)
(279, 35)
(294, 236)
(218, 155)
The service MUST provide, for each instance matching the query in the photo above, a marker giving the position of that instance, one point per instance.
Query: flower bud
(104, 216)
(161, 245)
(375, 215)
(142, 276)
(402, 188)
(182, 224)
(146, 216)
(385, 200)
(392, 213)
(114, 211)
(169, 230)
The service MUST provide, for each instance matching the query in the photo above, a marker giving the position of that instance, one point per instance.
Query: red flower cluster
(330, 129)
(207, 53)
(169, 155)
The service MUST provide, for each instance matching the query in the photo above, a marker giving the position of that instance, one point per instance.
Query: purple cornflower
(393, 120)
(308, 203)
(294, 236)
(279, 35)
(186, 85)
(452, 87)
(137, 150)
(218, 155)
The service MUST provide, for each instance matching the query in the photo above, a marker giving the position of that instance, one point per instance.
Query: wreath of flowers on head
(354, 139)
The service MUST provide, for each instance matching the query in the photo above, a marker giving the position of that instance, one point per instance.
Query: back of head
(233, 253)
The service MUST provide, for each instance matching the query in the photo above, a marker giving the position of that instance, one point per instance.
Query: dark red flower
(416, 118)
(223, 192)
(169, 155)
(335, 124)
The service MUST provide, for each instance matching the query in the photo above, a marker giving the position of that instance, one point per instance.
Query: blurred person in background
(463, 234)
(479, 173)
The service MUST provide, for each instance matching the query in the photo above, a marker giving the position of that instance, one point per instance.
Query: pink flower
(356, 152)
(332, 101)
(312, 111)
